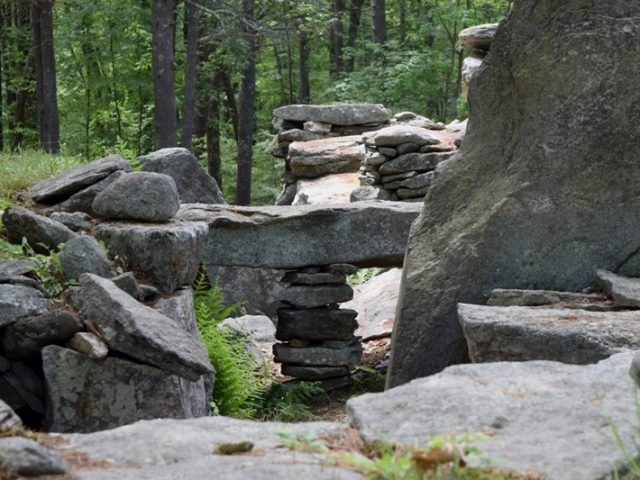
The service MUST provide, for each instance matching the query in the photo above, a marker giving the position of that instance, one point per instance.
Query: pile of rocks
(400, 160)
(478, 39)
(109, 350)
(319, 336)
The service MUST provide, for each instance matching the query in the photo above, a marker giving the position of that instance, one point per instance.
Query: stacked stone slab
(478, 40)
(400, 160)
(318, 341)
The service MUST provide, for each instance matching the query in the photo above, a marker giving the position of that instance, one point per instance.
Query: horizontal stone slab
(318, 356)
(316, 324)
(312, 296)
(367, 234)
(345, 114)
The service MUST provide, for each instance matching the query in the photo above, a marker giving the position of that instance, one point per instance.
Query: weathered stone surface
(179, 307)
(398, 135)
(30, 459)
(418, 182)
(317, 127)
(297, 135)
(22, 280)
(10, 268)
(479, 37)
(127, 282)
(313, 373)
(411, 193)
(625, 291)
(14, 390)
(311, 296)
(146, 196)
(67, 183)
(141, 451)
(194, 184)
(538, 213)
(257, 328)
(544, 416)
(326, 190)
(87, 395)
(42, 233)
(89, 344)
(470, 67)
(25, 338)
(316, 324)
(76, 221)
(28, 378)
(410, 118)
(83, 254)
(141, 332)
(302, 278)
(376, 301)
(167, 254)
(496, 334)
(534, 298)
(367, 193)
(83, 200)
(326, 156)
(8, 417)
(257, 234)
(407, 148)
(418, 162)
(318, 356)
(345, 114)
(19, 301)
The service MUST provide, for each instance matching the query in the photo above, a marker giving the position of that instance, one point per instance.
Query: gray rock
(417, 182)
(478, 37)
(410, 193)
(83, 200)
(67, 183)
(179, 307)
(257, 328)
(17, 395)
(76, 221)
(313, 373)
(141, 332)
(301, 278)
(413, 162)
(496, 334)
(398, 135)
(83, 254)
(19, 301)
(168, 254)
(145, 196)
(194, 184)
(141, 451)
(42, 233)
(127, 283)
(288, 194)
(22, 280)
(470, 67)
(543, 416)
(346, 114)
(367, 193)
(25, 338)
(330, 189)
(8, 418)
(87, 395)
(89, 344)
(535, 214)
(326, 156)
(387, 151)
(297, 135)
(11, 268)
(407, 148)
(624, 291)
(318, 356)
(342, 268)
(374, 159)
(30, 459)
(317, 127)
(257, 234)
(397, 177)
(28, 378)
(534, 298)
(311, 296)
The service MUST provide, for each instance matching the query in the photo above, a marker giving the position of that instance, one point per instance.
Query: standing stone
(42, 233)
(543, 212)
(194, 184)
(84, 254)
(146, 196)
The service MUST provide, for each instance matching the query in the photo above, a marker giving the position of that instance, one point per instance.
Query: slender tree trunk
(304, 90)
(378, 22)
(232, 105)
(214, 160)
(42, 28)
(190, 74)
(3, 48)
(163, 76)
(337, 38)
(246, 111)
(355, 13)
(114, 86)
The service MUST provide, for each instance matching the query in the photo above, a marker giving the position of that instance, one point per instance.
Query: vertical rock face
(545, 188)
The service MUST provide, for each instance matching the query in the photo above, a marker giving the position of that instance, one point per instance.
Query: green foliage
(289, 402)
(237, 386)
(363, 275)
(367, 380)
(631, 464)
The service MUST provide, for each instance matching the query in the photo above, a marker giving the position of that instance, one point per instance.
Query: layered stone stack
(317, 335)
(320, 140)
(400, 160)
(478, 40)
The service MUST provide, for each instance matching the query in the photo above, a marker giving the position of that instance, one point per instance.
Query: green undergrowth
(629, 469)
(285, 402)
(363, 275)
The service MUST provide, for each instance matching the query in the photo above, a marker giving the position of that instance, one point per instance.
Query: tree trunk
(230, 95)
(337, 38)
(45, 64)
(246, 111)
(378, 22)
(304, 90)
(163, 75)
(214, 160)
(355, 12)
(190, 74)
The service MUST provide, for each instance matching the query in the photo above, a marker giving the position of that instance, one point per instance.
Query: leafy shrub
(289, 402)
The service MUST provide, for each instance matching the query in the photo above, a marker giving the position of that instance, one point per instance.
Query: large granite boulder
(194, 184)
(19, 301)
(141, 332)
(478, 37)
(83, 254)
(326, 190)
(42, 233)
(537, 197)
(67, 183)
(82, 201)
(548, 417)
(345, 114)
(168, 255)
(364, 233)
(326, 156)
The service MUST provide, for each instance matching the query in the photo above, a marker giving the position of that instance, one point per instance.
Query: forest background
(86, 78)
